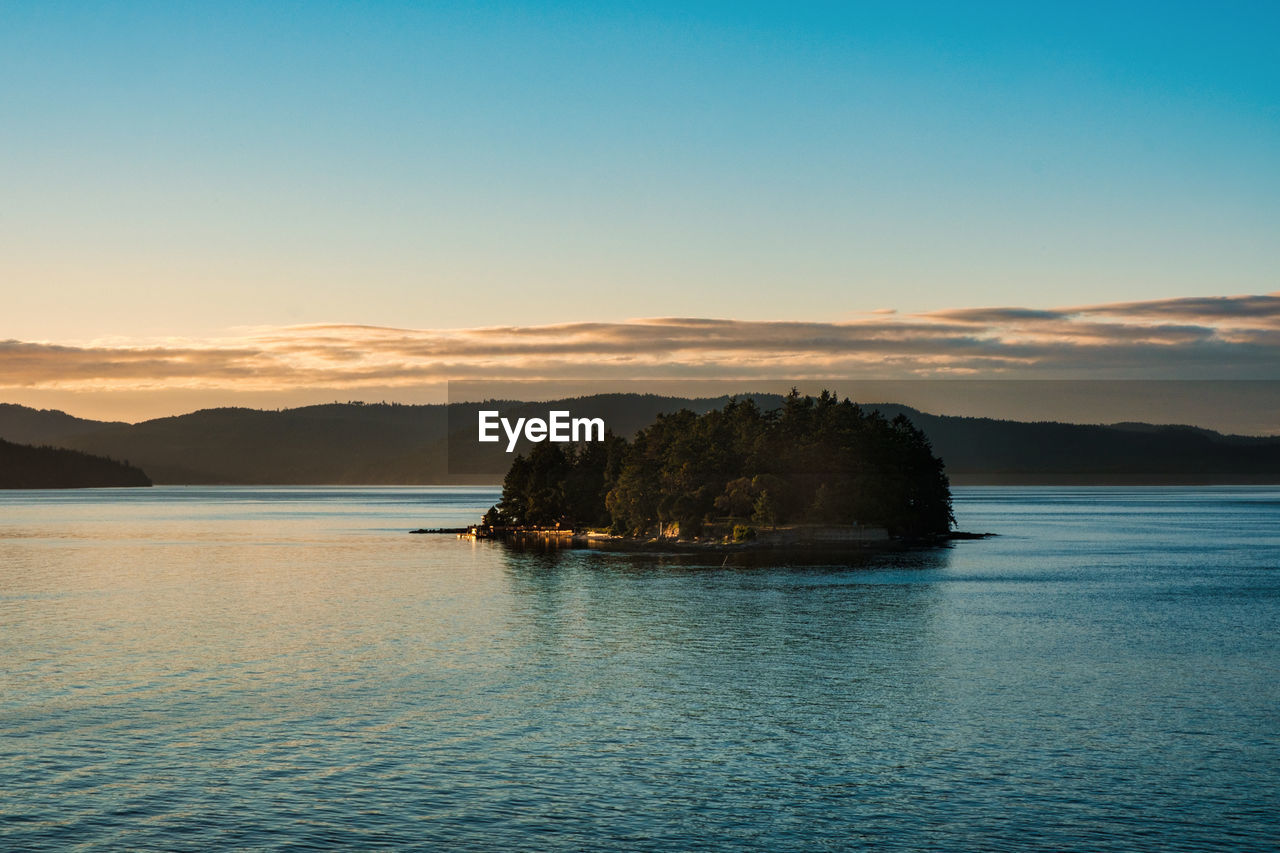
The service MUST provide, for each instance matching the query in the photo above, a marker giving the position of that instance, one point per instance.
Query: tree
(766, 509)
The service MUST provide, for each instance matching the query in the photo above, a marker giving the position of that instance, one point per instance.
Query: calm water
(193, 668)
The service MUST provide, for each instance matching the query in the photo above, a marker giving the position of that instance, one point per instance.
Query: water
(214, 668)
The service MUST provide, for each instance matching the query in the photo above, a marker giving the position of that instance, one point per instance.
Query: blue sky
(180, 169)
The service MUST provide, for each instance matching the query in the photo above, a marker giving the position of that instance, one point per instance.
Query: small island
(819, 471)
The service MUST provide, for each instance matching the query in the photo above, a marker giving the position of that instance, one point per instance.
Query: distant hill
(983, 450)
(351, 443)
(339, 443)
(34, 426)
(25, 467)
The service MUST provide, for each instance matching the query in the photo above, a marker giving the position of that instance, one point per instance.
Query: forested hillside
(26, 467)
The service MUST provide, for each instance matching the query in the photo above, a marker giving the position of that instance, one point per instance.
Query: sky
(221, 200)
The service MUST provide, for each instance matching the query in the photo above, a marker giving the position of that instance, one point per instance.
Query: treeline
(25, 467)
(815, 460)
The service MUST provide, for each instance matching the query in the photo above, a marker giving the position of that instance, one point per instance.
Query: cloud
(1217, 337)
(984, 316)
(1255, 310)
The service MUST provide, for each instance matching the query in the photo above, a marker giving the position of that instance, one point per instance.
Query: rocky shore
(789, 537)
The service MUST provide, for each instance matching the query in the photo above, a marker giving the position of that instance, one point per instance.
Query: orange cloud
(1218, 337)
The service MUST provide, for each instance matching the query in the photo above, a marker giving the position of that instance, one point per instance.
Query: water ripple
(285, 669)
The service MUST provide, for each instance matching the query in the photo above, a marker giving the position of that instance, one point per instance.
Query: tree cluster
(25, 467)
(816, 460)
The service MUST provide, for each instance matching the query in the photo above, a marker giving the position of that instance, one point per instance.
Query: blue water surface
(286, 668)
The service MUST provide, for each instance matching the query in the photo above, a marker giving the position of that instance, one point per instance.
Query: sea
(190, 668)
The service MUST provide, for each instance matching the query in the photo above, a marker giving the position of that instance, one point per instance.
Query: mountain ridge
(400, 444)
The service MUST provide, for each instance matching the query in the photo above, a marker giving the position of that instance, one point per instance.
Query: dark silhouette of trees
(816, 460)
(560, 485)
(25, 467)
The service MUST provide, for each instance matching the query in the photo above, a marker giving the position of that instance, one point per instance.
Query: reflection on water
(212, 668)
